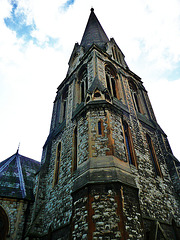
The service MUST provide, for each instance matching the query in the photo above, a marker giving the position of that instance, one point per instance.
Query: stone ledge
(103, 170)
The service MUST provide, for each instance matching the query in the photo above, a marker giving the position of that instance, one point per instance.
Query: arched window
(75, 145)
(135, 96)
(64, 103)
(100, 128)
(4, 224)
(57, 164)
(83, 81)
(111, 81)
(116, 54)
(153, 156)
(129, 145)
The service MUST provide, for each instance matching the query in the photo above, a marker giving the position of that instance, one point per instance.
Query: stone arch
(82, 83)
(111, 80)
(135, 95)
(4, 224)
(81, 70)
(110, 65)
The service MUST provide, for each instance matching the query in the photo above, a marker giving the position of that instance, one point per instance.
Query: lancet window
(64, 103)
(116, 54)
(57, 164)
(83, 81)
(75, 146)
(129, 144)
(135, 96)
(153, 156)
(111, 81)
(100, 128)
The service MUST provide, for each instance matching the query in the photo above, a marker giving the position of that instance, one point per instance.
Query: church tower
(107, 169)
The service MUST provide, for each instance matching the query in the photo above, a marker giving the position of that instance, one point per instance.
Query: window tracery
(111, 81)
(135, 96)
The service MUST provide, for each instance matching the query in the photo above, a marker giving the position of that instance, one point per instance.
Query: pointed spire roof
(13, 176)
(94, 33)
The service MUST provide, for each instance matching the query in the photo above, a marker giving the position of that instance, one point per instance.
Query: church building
(107, 169)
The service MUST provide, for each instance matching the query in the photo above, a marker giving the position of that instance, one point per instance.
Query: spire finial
(92, 9)
(18, 148)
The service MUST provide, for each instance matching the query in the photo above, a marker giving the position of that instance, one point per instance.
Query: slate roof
(17, 177)
(96, 84)
(94, 33)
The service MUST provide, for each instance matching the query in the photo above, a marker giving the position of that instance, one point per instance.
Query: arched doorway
(4, 224)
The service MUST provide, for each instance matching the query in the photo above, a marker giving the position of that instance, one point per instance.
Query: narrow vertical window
(113, 87)
(113, 53)
(135, 97)
(64, 110)
(57, 164)
(153, 156)
(82, 91)
(111, 81)
(129, 145)
(137, 103)
(83, 82)
(75, 145)
(64, 103)
(100, 127)
(108, 83)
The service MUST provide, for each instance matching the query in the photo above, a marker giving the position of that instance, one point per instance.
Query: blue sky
(37, 38)
(17, 23)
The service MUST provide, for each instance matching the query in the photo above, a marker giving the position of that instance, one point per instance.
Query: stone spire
(94, 33)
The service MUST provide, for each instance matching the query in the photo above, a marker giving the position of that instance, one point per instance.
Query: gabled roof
(94, 33)
(17, 177)
(96, 84)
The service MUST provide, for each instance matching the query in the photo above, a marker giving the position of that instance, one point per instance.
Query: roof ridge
(7, 163)
(21, 178)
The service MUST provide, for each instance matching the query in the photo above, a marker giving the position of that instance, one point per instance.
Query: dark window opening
(135, 96)
(113, 87)
(153, 156)
(87, 99)
(108, 83)
(137, 103)
(129, 144)
(97, 94)
(83, 82)
(100, 127)
(74, 164)
(64, 109)
(4, 224)
(57, 165)
(64, 103)
(111, 81)
(82, 91)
